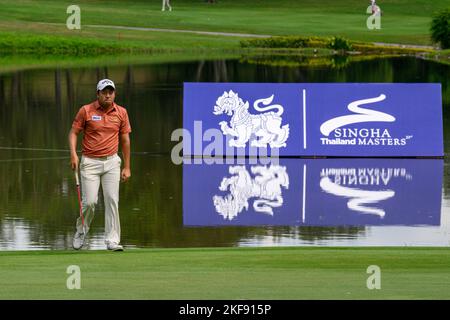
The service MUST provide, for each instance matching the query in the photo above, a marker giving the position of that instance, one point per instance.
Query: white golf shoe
(114, 247)
(78, 240)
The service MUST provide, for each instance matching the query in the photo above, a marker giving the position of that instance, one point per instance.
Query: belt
(103, 158)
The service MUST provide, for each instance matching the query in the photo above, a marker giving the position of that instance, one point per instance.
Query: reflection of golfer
(166, 3)
(104, 123)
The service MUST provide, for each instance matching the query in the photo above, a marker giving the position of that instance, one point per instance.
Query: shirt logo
(96, 118)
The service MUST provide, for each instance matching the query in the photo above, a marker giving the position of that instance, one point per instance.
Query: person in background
(375, 9)
(166, 3)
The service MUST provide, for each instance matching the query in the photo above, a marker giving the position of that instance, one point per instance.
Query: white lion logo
(266, 126)
(266, 187)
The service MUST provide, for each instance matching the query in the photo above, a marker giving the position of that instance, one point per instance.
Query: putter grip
(76, 178)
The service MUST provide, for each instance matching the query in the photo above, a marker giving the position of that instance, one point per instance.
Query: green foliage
(295, 42)
(291, 42)
(440, 28)
(339, 44)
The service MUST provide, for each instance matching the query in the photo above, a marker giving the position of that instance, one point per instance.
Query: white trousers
(104, 171)
(166, 3)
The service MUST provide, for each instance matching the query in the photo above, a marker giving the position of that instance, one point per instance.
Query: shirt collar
(98, 106)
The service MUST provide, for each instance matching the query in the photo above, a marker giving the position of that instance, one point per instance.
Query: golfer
(166, 3)
(104, 124)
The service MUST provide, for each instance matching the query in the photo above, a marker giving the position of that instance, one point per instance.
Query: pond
(167, 205)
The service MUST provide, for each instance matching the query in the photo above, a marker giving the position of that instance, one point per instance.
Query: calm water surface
(167, 205)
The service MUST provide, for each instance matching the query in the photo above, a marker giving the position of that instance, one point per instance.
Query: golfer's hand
(74, 161)
(125, 175)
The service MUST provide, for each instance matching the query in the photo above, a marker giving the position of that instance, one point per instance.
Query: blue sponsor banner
(314, 192)
(313, 119)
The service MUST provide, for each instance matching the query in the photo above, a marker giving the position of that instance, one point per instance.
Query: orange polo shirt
(101, 130)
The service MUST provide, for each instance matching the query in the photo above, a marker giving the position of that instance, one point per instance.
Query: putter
(79, 199)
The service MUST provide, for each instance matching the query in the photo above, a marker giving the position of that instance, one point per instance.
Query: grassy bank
(228, 273)
(404, 21)
(37, 28)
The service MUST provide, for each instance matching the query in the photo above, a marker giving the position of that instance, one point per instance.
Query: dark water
(38, 200)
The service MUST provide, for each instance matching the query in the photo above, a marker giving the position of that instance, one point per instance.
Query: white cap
(102, 84)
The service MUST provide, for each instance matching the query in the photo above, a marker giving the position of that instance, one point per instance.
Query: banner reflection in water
(314, 192)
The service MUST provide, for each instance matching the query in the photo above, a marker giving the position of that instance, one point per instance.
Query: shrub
(293, 42)
(284, 42)
(340, 44)
(275, 42)
(440, 28)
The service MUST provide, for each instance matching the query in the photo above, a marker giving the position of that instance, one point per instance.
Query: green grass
(228, 273)
(24, 38)
(404, 21)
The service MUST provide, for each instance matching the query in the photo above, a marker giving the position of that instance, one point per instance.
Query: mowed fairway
(403, 21)
(228, 273)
